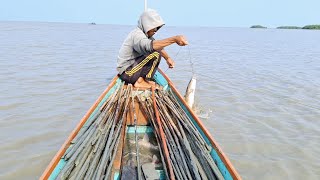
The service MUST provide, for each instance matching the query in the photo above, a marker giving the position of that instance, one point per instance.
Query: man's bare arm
(158, 45)
(168, 59)
(164, 54)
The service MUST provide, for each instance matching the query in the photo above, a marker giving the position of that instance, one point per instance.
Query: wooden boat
(139, 123)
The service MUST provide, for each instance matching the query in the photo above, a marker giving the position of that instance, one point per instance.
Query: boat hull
(221, 160)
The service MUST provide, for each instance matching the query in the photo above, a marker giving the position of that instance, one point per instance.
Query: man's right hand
(160, 44)
(181, 40)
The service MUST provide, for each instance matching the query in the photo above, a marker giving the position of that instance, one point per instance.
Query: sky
(222, 13)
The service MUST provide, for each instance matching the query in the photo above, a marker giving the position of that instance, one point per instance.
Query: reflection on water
(262, 87)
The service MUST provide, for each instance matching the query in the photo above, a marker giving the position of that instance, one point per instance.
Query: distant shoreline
(169, 26)
(310, 27)
(258, 26)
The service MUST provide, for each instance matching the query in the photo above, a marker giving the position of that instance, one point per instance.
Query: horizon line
(191, 26)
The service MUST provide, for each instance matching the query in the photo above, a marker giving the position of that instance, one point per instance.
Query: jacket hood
(150, 19)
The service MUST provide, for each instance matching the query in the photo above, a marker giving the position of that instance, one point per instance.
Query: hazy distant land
(258, 26)
(289, 27)
(312, 27)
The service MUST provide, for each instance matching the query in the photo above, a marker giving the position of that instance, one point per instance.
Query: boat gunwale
(224, 158)
(53, 163)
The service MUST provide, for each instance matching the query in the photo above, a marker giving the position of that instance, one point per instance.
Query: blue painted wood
(140, 129)
(161, 80)
(221, 166)
(161, 174)
(116, 176)
(57, 169)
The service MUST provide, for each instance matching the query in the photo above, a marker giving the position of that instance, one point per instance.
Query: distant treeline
(289, 27)
(316, 26)
(257, 26)
(311, 27)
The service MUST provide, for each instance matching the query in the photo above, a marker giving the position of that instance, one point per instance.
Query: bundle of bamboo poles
(95, 146)
(184, 152)
(189, 154)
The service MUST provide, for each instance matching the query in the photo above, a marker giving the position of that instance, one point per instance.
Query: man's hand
(160, 44)
(181, 40)
(170, 63)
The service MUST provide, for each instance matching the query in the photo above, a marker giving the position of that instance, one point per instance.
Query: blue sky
(226, 13)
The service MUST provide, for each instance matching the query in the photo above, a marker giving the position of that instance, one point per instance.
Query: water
(260, 88)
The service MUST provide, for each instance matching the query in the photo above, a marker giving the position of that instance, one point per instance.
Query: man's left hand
(170, 63)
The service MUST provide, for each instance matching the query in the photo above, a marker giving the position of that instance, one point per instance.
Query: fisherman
(140, 54)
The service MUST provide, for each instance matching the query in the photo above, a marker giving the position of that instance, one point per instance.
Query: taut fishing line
(175, 57)
(190, 60)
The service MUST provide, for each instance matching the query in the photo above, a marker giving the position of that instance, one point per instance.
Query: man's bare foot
(156, 86)
(141, 83)
(152, 83)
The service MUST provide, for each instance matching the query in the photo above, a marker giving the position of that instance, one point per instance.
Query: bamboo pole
(162, 137)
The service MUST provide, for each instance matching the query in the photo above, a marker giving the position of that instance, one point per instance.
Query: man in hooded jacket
(140, 53)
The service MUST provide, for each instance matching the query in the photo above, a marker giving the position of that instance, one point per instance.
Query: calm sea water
(258, 91)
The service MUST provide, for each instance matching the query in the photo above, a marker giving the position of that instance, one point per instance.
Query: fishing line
(189, 58)
(178, 52)
(175, 57)
(190, 61)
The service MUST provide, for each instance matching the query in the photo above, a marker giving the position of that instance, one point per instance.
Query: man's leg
(141, 69)
(150, 69)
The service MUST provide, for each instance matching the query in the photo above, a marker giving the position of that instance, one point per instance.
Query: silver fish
(190, 92)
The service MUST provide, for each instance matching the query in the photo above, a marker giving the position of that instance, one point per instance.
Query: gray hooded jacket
(137, 43)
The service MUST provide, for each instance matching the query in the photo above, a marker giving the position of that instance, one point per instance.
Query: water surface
(258, 91)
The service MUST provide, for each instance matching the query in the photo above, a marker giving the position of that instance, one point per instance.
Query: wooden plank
(141, 118)
(118, 159)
